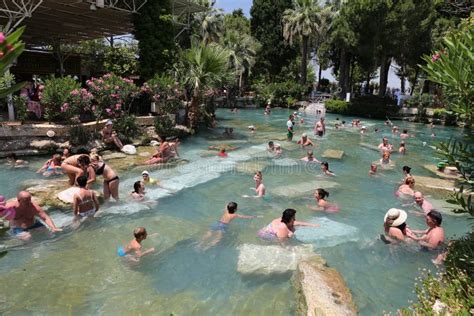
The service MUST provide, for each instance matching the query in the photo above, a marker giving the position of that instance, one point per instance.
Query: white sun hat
(398, 216)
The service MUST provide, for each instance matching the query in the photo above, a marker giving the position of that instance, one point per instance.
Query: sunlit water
(79, 272)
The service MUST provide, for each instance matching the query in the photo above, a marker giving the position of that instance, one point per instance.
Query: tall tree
(304, 21)
(203, 67)
(155, 35)
(267, 28)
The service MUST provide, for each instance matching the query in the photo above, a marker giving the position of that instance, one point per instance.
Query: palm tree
(203, 67)
(242, 53)
(304, 20)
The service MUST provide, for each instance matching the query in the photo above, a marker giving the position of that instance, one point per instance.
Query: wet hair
(232, 207)
(96, 157)
(270, 143)
(139, 232)
(435, 216)
(405, 131)
(288, 215)
(326, 164)
(84, 160)
(343, 122)
(82, 181)
(406, 169)
(291, 116)
(259, 173)
(56, 157)
(136, 186)
(409, 180)
(12, 156)
(402, 144)
(388, 223)
(322, 193)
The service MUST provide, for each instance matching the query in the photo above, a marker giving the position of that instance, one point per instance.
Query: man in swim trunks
(310, 157)
(220, 227)
(421, 202)
(320, 128)
(25, 213)
(289, 125)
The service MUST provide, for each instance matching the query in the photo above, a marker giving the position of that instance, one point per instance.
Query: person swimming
(407, 188)
(325, 169)
(134, 248)
(52, 166)
(220, 227)
(323, 205)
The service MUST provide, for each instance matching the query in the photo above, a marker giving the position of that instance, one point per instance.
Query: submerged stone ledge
(321, 290)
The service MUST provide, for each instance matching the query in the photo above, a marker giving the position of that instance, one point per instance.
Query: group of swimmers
(83, 169)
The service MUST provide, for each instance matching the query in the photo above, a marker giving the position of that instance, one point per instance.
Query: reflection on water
(79, 272)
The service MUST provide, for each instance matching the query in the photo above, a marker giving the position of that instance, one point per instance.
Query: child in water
(220, 227)
(134, 248)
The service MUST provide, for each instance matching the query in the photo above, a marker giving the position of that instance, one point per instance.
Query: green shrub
(337, 106)
(373, 107)
(439, 113)
(78, 135)
(21, 108)
(164, 126)
(57, 99)
(278, 93)
(451, 291)
(126, 126)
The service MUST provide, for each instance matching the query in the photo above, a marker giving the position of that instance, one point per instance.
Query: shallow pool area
(78, 271)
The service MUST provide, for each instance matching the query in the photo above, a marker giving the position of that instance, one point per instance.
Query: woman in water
(85, 202)
(52, 166)
(76, 166)
(111, 180)
(13, 161)
(407, 188)
(395, 226)
(385, 160)
(325, 169)
(281, 229)
(406, 172)
(259, 186)
(323, 205)
(138, 193)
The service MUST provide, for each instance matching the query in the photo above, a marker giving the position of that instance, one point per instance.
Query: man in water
(320, 128)
(305, 141)
(25, 213)
(422, 203)
(310, 157)
(433, 237)
(385, 146)
(271, 147)
(289, 125)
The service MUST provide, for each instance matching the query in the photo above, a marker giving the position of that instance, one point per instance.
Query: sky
(230, 5)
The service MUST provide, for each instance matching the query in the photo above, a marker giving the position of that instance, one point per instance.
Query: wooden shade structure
(68, 21)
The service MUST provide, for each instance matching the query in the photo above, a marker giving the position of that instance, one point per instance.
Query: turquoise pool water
(78, 271)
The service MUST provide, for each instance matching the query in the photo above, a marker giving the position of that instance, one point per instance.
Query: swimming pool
(78, 271)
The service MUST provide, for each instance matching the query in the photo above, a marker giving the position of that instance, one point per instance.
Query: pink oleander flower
(118, 106)
(75, 92)
(108, 111)
(41, 87)
(117, 88)
(2, 37)
(435, 57)
(64, 107)
(108, 75)
(93, 108)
